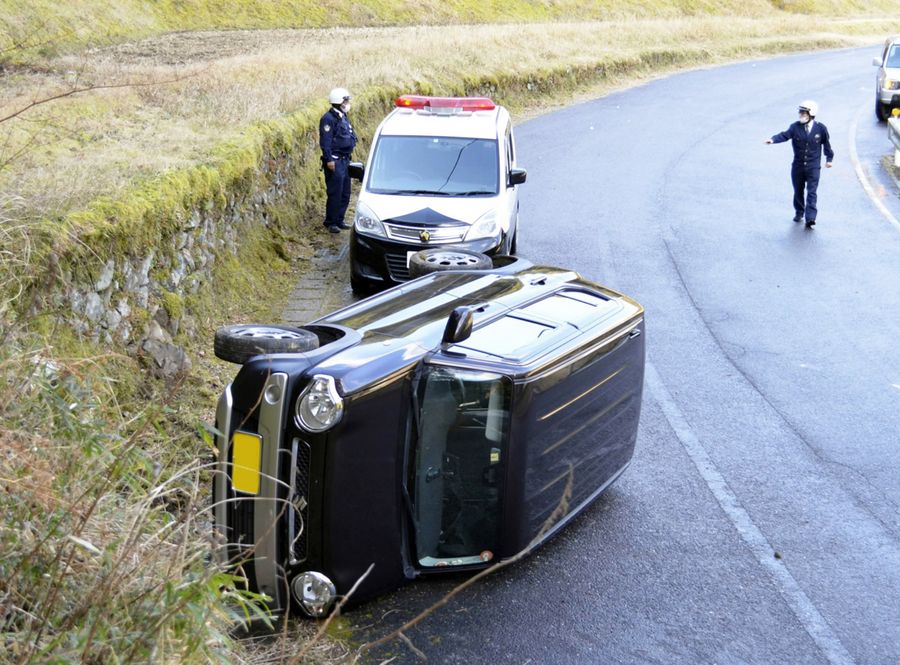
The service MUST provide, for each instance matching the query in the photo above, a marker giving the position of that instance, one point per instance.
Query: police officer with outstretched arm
(337, 140)
(809, 138)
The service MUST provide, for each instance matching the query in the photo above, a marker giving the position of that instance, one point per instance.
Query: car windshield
(435, 166)
(893, 59)
(456, 466)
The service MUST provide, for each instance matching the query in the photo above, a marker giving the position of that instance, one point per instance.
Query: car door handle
(634, 333)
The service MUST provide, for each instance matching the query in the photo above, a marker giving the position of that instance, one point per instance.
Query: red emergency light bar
(461, 103)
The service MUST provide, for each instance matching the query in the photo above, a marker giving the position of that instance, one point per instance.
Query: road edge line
(860, 174)
(807, 614)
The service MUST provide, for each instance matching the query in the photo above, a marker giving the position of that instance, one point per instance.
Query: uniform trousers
(805, 178)
(337, 189)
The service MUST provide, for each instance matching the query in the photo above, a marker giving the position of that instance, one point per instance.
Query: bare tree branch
(75, 90)
(336, 612)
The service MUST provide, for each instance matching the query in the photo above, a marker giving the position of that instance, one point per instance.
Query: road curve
(760, 519)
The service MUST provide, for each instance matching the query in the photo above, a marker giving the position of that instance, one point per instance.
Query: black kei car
(433, 427)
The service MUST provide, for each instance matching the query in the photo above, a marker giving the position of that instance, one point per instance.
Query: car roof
(464, 124)
(400, 326)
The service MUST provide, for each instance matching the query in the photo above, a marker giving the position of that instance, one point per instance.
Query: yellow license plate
(246, 450)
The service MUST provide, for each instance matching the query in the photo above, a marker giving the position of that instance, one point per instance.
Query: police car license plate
(246, 450)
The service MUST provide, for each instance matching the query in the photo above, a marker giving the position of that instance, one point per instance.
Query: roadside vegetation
(104, 471)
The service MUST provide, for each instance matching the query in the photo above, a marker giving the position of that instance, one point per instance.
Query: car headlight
(319, 407)
(485, 227)
(314, 592)
(366, 222)
(891, 84)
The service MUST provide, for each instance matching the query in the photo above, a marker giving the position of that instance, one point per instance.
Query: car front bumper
(889, 97)
(382, 262)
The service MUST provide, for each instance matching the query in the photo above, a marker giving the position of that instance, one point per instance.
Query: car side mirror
(517, 176)
(459, 326)
(356, 170)
(876, 62)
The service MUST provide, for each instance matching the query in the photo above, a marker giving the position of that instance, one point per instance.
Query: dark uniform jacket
(336, 136)
(808, 146)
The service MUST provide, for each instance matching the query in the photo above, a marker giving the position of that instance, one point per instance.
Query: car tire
(239, 343)
(439, 259)
(882, 111)
(361, 287)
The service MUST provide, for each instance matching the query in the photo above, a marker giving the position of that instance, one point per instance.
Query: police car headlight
(890, 84)
(366, 222)
(485, 227)
(319, 407)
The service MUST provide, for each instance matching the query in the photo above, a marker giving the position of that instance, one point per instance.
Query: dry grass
(62, 155)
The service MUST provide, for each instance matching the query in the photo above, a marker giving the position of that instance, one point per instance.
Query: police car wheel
(435, 260)
(239, 343)
(882, 111)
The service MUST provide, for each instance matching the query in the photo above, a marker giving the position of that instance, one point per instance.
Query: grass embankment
(102, 525)
(51, 26)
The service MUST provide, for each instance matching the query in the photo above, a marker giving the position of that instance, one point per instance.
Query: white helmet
(810, 107)
(338, 96)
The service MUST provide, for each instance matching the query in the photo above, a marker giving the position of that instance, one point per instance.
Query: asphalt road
(759, 520)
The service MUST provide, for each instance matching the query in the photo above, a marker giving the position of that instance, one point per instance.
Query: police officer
(337, 139)
(808, 138)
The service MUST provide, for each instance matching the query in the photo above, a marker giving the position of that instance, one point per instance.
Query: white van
(442, 171)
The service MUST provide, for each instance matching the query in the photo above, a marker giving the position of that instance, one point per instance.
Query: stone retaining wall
(136, 298)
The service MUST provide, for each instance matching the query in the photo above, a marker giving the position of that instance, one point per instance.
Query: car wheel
(882, 111)
(239, 343)
(436, 259)
(361, 287)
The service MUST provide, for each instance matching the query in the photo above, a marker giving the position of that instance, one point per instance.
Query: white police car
(442, 171)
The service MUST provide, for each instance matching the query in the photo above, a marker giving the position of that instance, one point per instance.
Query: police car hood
(429, 210)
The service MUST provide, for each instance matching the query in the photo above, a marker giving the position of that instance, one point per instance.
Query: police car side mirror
(356, 170)
(517, 176)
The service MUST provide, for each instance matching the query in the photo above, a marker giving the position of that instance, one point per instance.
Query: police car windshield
(437, 166)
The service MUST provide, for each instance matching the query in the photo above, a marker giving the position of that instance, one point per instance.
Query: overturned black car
(430, 428)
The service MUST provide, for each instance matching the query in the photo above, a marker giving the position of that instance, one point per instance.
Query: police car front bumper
(383, 262)
(889, 98)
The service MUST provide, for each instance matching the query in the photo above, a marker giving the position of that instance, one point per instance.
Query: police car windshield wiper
(473, 192)
(430, 192)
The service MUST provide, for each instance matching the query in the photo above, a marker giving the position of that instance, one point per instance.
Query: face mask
(345, 107)
(804, 118)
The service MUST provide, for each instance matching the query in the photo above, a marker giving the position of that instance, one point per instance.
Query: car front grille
(298, 519)
(435, 235)
(396, 265)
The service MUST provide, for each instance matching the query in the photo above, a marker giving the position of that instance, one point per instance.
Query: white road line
(854, 158)
(802, 607)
